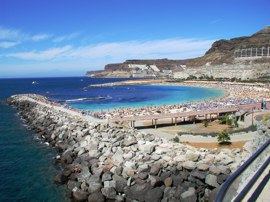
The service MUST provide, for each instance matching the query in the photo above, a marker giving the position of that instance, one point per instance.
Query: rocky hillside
(221, 51)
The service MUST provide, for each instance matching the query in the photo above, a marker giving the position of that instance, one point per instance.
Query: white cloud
(16, 37)
(9, 34)
(215, 21)
(66, 37)
(8, 44)
(40, 37)
(48, 54)
(170, 48)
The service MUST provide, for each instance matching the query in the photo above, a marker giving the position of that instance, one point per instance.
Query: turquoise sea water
(26, 164)
(145, 95)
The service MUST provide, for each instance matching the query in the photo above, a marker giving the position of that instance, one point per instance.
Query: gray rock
(155, 168)
(106, 176)
(143, 168)
(60, 179)
(212, 194)
(169, 192)
(214, 170)
(149, 137)
(71, 184)
(79, 195)
(118, 158)
(224, 169)
(120, 183)
(109, 184)
(184, 174)
(96, 171)
(202, 167)
(192, 156)
(178, 191)
(155, 181)
(148, 147)
(129, 141)
(177, 180)
(211, 180)
(94, 187)
(93, 178)
(96, 197)
(84, 174)
(84, 186)
(221, 178)
(165, 175)
(198, 174)
(189, 195)
(189, 165)
(109, 192)
(118, 171)
(154, 195)
(143, 175)
(137, 191)
(119, 198)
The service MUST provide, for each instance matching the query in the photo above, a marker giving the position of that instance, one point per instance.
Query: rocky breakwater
(110, 163)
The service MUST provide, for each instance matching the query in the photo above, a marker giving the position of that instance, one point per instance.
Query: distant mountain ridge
(221, 51)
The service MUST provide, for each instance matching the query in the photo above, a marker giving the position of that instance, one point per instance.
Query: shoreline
(98, 163)
(233, 93)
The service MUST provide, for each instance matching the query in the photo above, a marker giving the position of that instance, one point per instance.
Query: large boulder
(137, 191)
(147, 147)
(109, 192)
(96, 197)
(189, 195)
(189, 165)
(154, 194)
(192, 156)
(79, 195)
(198, 174)
(94, 184)
(155, 168)
(129, 141)
(211, 180)
(120, 183)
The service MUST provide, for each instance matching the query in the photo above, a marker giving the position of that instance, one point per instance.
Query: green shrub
(176, 139)
(224, 138)
(226, 119)
(265, 118)
(205, 123)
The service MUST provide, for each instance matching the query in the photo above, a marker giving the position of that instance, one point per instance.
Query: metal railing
(241, 182)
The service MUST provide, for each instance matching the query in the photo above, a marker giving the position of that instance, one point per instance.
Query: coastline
(115, 162)
(233, 94)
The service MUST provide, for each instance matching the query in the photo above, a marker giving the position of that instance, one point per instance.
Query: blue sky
(65, 38)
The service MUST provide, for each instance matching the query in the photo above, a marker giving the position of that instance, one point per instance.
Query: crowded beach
(235, 94)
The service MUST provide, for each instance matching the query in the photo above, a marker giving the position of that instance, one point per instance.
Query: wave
(89, 99)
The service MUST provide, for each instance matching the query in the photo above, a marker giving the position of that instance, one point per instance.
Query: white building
(138, 66)
(154, 68)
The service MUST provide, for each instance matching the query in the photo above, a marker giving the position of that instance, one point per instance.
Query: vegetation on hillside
(224, 137)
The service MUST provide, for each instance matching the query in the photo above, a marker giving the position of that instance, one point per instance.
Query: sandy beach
(233, 94)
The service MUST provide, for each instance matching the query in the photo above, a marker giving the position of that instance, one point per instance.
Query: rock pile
(110, 163)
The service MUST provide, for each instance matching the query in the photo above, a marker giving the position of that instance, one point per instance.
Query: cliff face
(160, 63)
(221, 51)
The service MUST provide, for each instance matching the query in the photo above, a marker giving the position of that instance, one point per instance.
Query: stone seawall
(109, 163)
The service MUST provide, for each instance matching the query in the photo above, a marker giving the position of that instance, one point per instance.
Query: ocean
(26, 164)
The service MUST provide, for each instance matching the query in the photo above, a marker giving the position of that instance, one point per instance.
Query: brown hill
(221, 51)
